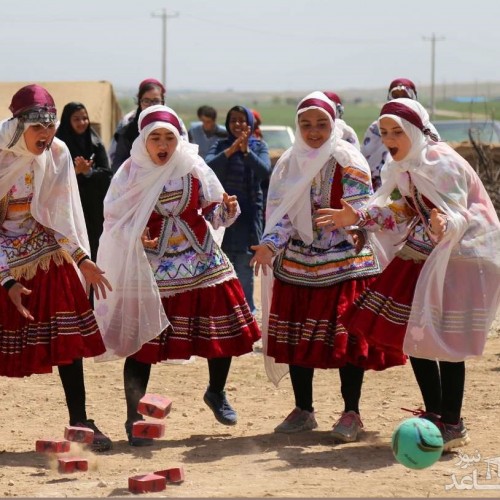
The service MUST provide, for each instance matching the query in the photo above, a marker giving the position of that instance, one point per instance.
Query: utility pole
(164, 16)
(433, 39)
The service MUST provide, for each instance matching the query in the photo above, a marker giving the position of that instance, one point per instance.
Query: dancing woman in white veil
(317, 272)
(436, 299)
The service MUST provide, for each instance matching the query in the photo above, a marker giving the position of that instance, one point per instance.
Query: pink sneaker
(347, 427)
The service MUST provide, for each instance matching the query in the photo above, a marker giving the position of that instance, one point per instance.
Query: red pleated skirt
(379, 317)
(64, 328)
(211, 322)
(304, 327)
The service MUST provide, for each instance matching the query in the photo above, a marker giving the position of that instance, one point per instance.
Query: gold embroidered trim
(28, 271)
(409, 253)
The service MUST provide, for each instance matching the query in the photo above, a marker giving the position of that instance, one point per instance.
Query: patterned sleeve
(357, 186)
(216, 213)
(77, 253)
(394, 217)
(277, 239)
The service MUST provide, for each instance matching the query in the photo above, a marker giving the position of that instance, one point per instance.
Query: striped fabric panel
(286, 332)
(385, 307)
(220, 328)
(293, 268)
(14, 341)
(169, 196)
(475, 320)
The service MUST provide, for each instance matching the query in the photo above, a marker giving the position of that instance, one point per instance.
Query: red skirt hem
(212, 322)
(306, 329)
(64, 328)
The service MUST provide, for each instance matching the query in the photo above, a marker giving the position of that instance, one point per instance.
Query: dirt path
(248, 460)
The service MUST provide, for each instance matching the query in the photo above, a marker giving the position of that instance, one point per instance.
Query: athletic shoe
(101, 442)
(347, 427)
(454, 435)
(223, 411)
(298, 421)
(135, 440)
(428, 415)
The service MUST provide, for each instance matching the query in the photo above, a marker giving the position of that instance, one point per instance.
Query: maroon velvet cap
(404, 82)
(152, 81)
(31, 97)
(332, 96)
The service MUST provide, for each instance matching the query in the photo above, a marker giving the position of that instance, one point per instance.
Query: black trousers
(136, 377)
(351, 380)
(74, 390)
(442, 386)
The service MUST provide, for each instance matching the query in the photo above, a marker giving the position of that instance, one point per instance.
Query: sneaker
(218, 403)
(454, 435)
(347, 427)
(428, 415)
(101, 442)
(298, 421)
(134, 440)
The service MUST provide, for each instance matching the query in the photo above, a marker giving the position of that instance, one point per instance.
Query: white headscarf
(133, 314)
(290, 184)
(467, 256)
(290, 194)
(56, 200)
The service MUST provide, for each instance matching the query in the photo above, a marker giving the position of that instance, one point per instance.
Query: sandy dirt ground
(249, 460)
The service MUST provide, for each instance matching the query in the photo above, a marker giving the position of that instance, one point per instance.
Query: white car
(278, 139)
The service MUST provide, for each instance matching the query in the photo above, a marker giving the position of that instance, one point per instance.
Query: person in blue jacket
(242, 163)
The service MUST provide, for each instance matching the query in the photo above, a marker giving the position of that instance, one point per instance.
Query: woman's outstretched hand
(95, 277)
(263, 258)
(333, 218)
(16, 293)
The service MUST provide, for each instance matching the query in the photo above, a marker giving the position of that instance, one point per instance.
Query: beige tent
(98, 97)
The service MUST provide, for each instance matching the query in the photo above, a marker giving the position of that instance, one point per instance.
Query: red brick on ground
(172, 475)
(52, 446)
(146, 483)
(79, 434)
(67, 465)
(154, 406)
(146, 429)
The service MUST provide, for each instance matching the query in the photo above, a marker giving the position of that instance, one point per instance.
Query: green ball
(417, 443)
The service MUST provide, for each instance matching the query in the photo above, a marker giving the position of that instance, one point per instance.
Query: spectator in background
(151, 92)
(127, 118)
(92, 169)
(242, 163)
(347, 132)
(373, 148)
(208, 132)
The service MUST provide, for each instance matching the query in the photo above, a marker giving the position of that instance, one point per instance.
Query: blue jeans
(241, 263)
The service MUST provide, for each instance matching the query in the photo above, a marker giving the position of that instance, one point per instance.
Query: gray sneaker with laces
(347, 427)
(454, 436)
(298, 421)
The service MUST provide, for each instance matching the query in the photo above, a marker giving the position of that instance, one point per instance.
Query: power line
(433, 39)
(164, 16)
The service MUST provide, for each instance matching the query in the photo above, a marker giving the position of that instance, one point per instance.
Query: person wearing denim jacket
(242, 162)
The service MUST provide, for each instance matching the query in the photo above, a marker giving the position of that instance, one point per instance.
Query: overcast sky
(253, 45)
